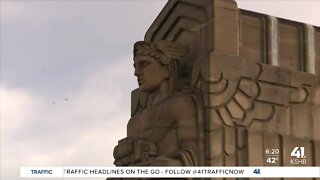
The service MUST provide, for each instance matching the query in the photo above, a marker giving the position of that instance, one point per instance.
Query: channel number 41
(298, 152)
(298, 157)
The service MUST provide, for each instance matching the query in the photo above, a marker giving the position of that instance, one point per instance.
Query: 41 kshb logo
(298, 156)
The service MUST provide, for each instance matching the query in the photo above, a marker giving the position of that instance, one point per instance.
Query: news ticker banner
(170, 172)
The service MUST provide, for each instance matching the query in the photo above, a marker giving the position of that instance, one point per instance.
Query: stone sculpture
(230, 84)
(163, 133)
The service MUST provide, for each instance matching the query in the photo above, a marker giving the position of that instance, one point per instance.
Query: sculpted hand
(122, 153)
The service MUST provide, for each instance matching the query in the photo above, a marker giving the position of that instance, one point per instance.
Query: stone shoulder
(181, 103)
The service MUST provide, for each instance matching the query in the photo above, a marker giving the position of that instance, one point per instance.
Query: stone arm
(186, 118)
(183, 111)
(143, 152)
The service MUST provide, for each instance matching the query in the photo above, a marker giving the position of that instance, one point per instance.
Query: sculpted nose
(137, 72)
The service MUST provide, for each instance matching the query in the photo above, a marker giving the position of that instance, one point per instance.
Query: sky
(66, 75)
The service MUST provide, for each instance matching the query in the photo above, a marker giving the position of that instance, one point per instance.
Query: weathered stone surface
(235, 109)
(253, 37)
(219, 161)
(231, 160)
(241, 137)
(230, 141)
(283, 122)
(316, 114)
(255, 149)
(268, 91)
(317, 51)
(216, 144)
(249, 88)
(226, 27)
(213, 120)
(290, 45)
(275, 75)
(316, 149)
(302, 121)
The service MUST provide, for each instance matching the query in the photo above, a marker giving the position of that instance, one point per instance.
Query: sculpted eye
(144, 63)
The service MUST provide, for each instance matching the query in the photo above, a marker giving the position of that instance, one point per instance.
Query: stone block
(213, 120)
(317, 51)
(230, 160)
(301, 115)
(230, 140)
(218, 161)
(255, 148)
(283, 121)
(241, 137)
(226, 27)
(253, 37)
(276, 75)
(291, 45)
(275, 94)
(235, 110)
(316, 150)
(215, 142)
(249, 88)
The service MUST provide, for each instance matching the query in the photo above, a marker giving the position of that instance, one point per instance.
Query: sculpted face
(151, 75)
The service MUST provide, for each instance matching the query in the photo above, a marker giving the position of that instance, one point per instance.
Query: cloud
(16, 107)
(47, 46)
(11, 11)
(306, 11)
(79, 130)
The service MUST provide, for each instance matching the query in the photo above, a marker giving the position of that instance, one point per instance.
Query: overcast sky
(67, 74)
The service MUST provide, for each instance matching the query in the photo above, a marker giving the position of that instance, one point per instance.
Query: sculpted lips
(140, 81)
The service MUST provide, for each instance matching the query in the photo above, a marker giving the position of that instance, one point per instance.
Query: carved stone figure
(160, 134)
